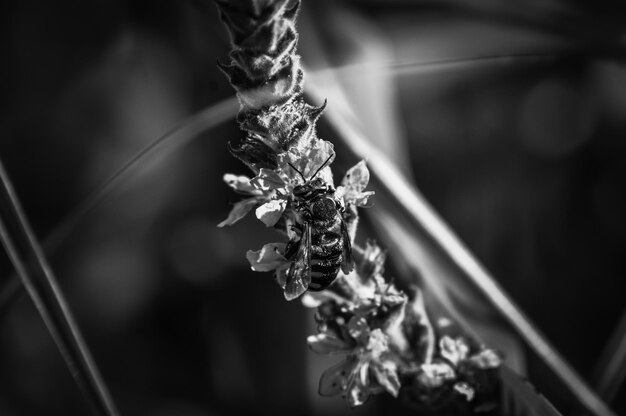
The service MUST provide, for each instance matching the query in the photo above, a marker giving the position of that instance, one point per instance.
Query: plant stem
(32, 267)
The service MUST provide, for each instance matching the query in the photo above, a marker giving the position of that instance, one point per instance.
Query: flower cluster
(270, 193)
(459, 377)
(384, 333)
(283, 151)
(390, 345)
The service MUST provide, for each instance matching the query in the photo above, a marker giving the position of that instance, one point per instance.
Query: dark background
(524, 157)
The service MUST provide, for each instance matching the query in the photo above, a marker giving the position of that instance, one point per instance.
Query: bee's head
(311, 188)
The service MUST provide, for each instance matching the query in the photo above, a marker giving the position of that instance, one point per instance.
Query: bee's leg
(291, 249)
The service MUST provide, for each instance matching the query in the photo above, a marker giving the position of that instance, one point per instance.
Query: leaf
(268, 258)
(270, 212)
(239, 210)
(519, 398)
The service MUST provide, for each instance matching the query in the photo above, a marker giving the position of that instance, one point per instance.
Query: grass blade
(610, 371)
(10, 293)
(177, 136)
(38, 279)
(519, 397)
(426, 221)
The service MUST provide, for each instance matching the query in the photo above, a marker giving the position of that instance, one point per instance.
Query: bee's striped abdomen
(326, 253)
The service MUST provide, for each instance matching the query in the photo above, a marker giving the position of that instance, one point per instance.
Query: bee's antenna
(321, 167)
(296, 169)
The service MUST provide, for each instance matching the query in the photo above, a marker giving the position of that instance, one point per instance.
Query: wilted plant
(385, 334)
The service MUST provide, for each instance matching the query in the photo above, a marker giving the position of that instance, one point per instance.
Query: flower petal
(373, 261)
(387, 376)
(354, 182)
(464, 390)
(435, 374)
(335, 379)
(240, 183)
(359, 330)
(271, 211)
(363, 199)
(307, 160)
(377, 343)
(357, 177)
(327, 344)
(315, 299)
(268, 258)
(281, 275)
(239, 210)
(357, 395)
(487, 358)
(454, 350)
(267, 180)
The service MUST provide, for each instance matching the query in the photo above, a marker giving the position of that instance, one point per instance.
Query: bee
(324, 245)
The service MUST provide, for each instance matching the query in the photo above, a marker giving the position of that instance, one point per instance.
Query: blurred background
(510, 118)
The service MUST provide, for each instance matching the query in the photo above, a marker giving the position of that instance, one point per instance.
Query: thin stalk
(414, 67)
(415, 207)
(179, 135)
(600, 32)
(176, 137)
(37, 277)
(9, 294)
(610, 371)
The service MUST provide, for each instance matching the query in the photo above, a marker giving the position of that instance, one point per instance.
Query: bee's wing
(299, 274)
(347, 263)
